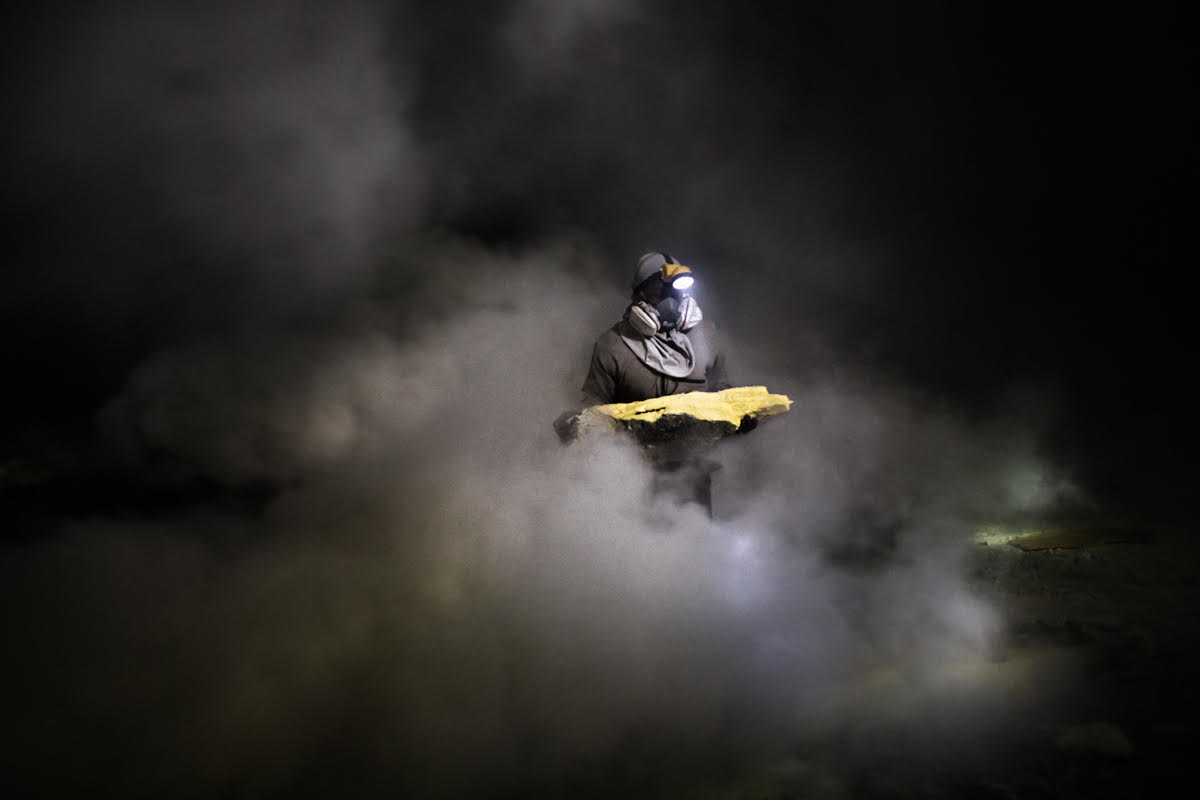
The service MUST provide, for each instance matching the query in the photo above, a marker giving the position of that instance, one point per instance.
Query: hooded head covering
(668, 350)
(648, 265)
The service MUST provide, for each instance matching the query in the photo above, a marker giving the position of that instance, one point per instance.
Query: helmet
(666, 267)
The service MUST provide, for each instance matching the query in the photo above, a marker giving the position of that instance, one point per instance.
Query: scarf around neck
(666, 352)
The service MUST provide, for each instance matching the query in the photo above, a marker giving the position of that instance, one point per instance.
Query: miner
(662, 345)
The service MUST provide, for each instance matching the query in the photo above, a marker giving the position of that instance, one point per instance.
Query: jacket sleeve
(716, 380)
(715, 377)
(600, 386)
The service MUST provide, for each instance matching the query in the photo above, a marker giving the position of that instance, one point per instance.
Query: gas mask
(671, 313)
(676, 311)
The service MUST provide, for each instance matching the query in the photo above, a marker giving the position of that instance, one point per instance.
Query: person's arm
(600, 387)
(716, 378)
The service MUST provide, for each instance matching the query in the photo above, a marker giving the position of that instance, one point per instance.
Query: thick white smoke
(437, 597)
(444, 584)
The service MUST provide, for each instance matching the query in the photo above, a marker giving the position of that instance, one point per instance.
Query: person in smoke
(662, 345)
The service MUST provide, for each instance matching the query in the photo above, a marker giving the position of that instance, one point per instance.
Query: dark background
(959, 235)
(968, 198)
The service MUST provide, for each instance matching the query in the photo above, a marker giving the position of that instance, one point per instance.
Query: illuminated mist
(344, 283)
(441, 583)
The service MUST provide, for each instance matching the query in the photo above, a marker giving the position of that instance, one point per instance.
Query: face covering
(644, 319)
(659, 337)
(689, 314)
(670, 314)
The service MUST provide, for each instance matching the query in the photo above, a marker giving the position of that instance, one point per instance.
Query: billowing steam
(437, 598)
(442, 584)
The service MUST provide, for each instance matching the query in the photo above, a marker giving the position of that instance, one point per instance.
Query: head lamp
(677, 276)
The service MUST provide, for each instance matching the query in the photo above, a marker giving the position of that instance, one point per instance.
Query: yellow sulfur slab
(730, 405)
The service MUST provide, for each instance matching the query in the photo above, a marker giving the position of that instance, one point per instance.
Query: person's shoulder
(610, 338)
(705, 329)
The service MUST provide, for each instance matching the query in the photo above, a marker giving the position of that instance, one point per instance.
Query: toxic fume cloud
(215, 164)
(438, 597)
(543, 34)
(444, 584)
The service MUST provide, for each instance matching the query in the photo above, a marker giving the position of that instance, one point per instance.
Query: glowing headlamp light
(677, 276)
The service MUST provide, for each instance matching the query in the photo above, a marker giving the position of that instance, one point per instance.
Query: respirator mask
(677, 310)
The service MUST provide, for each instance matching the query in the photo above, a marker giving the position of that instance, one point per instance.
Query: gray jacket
(616, 375)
